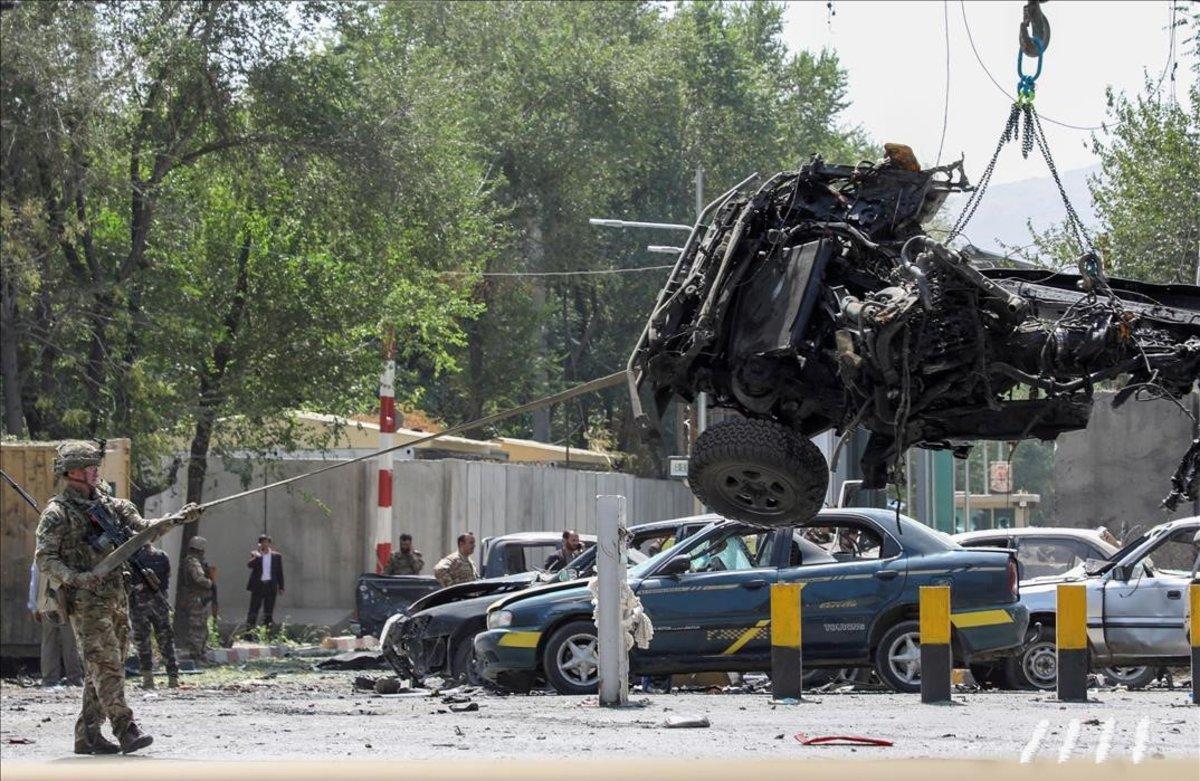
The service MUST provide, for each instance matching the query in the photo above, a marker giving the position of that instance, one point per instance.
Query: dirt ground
(282, 709)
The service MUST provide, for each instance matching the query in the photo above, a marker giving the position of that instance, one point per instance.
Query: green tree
(1146, 195)
(601, 109)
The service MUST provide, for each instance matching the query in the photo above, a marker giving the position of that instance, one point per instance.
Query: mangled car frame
(816, 301)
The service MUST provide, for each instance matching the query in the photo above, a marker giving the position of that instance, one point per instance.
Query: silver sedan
(1136, 602)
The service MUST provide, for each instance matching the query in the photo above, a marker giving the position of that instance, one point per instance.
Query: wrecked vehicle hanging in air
(816, 301)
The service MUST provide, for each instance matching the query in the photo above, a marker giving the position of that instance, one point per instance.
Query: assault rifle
(113, 535)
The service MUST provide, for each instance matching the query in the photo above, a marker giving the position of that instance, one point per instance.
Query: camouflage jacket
(455, 568)
(64, 534)
(194, 580)
(405, 563)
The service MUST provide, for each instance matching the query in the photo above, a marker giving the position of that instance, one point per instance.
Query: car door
(721, 606)
(1144, 601)
(846, 584)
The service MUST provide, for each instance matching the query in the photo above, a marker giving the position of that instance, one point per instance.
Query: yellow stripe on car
(745, 637)
(980, 618)
(520, 639)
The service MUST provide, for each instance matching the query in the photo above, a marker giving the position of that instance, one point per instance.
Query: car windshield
(1173, 555)
(1129, 546)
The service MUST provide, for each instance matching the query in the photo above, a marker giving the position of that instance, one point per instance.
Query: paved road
(299, 715)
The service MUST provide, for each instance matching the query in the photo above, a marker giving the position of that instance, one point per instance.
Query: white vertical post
(387, 427)
(610, 577)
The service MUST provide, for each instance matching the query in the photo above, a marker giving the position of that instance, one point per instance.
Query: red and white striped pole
(387, 427)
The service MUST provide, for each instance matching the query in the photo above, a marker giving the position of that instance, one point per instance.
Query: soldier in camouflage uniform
(405, 561)
(196, 583)
(457, 567)
(150, 613)
(69, 545)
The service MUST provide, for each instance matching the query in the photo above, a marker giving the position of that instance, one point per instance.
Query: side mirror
(567, 574)
(677, 566)
(1122, 572)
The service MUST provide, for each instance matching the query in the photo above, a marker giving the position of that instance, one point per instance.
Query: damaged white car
(1136, 604)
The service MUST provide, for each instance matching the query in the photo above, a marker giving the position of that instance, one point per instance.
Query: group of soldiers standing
(150, 613)
(454, 568)
(71, 541)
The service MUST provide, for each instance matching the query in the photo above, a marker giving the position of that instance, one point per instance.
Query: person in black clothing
(150, 613)
(571, 548)
(266, 581)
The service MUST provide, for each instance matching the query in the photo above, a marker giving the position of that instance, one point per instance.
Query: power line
(946, 104)
(1170, 65)
(979, 59)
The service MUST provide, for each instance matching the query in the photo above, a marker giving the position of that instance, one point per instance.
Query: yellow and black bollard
(1071, 639)
(936, 657)
(1194, 635)
(787, 667)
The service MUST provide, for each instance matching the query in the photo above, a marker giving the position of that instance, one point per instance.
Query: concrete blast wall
(322, 525)
(1117, 471)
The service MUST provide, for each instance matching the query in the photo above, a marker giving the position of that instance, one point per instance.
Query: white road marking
(1106, 733)
(1069, 740)
(1140, 736)
(1035, 741)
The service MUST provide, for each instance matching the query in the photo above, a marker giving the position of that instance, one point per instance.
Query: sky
(895, 56)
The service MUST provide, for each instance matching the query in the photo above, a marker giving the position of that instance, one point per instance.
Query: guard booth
(31, 464)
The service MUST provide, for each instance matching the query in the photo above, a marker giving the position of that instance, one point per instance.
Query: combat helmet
(77, 454)
(198, 543)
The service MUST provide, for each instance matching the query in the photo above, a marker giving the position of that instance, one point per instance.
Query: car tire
(758, 471)
(1130, 677)
(898, 657)
(569, 659)
(1036, 667)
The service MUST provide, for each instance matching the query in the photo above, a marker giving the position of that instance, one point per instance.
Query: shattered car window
(1042, 558)
(846, 542)
(735, 550)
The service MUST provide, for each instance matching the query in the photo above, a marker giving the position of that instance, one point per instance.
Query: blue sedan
(709, 601)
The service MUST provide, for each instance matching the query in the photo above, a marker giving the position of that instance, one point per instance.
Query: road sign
(1000, 479)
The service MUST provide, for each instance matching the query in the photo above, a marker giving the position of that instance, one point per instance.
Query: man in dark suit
(266, 581)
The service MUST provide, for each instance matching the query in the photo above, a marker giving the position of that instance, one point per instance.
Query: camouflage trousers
(150, 614)
(101, 624)
(192, 627)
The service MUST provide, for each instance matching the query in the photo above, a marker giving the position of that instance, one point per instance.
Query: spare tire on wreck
(759, 472)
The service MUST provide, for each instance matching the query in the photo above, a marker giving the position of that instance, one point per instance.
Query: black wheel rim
(757, 489)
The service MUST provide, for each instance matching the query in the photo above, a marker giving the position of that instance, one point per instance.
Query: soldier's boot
(95, 743)
(173, 680)
(147, 680)
(133, 739)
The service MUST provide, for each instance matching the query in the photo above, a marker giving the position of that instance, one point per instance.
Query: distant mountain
(1006, 207)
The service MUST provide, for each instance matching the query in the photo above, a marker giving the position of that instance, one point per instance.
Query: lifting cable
(1024, 122)
(127, 549)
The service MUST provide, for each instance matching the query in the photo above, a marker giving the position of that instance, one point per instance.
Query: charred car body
(816, 301)
(435, 634)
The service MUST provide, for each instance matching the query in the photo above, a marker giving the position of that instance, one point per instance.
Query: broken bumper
(989, 633)
(507, 656)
